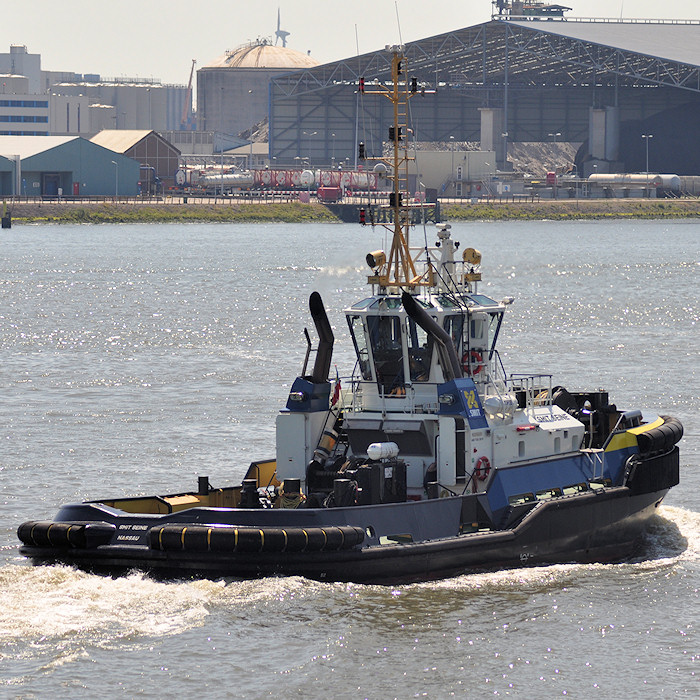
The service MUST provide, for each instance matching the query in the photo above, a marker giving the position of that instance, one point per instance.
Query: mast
(406, 268)
(399, 269)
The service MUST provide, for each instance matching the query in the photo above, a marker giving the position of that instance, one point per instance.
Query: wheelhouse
(397, 354)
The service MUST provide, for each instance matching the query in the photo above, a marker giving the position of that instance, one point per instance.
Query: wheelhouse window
(494, 328)
(420, 351)
(385, 340)
(477, 331)
(454, 326)
(359, 339)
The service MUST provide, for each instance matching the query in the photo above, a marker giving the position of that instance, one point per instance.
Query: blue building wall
(79, 167)
(7, 169)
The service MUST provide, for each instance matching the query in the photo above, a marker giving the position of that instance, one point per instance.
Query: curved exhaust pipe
(324, 354)
(451, 367)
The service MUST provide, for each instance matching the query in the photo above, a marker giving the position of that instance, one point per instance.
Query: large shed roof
(28, 146)
(535, 52)
(673, 41)
(120, 140)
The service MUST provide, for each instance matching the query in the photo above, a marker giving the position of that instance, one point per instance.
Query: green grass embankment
(571, 210)
(297, 212)
(292, 212)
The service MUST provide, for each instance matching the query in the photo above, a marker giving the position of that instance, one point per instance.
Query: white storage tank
(667, 182)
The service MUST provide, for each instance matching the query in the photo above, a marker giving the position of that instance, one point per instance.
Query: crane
(188, 98)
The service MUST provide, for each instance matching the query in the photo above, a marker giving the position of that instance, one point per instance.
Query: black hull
(599, 526)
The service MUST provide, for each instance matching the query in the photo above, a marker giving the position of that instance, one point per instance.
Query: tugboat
(429, 462)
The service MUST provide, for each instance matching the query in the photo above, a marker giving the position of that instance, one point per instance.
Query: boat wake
(672, 539)
(672, 536)
(50, 603)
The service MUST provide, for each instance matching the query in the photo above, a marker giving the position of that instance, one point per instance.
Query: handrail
(602, 20)
(529, 383)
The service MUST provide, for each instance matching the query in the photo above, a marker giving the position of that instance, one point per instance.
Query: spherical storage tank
(232, 90)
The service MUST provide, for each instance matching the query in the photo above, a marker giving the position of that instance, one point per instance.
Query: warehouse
(54, 166)
(603, 84)
(158, 158)
(7, 175)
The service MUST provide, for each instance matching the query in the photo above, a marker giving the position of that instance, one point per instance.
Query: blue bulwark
(307, 397)
(459, 397)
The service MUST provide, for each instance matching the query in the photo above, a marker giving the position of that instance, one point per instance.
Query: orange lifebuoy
(482, 468)
(472, 359)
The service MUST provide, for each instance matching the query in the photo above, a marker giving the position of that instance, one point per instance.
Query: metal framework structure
(544, 76)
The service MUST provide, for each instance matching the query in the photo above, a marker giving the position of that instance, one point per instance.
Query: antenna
(398, 21)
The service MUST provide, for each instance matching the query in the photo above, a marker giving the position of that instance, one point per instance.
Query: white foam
(57, 601)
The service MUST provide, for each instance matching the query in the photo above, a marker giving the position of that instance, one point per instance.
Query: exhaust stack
(324, 354)
(451, 367)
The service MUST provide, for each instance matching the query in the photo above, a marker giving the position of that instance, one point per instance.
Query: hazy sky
(160, 39)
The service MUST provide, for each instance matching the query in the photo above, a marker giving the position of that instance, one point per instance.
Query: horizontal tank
(656, 180)
(290, 179)
(227, 180)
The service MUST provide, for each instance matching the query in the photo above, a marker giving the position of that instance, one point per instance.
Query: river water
(135, 358)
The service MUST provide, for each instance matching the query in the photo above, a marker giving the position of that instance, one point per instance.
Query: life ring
(482, 468)
(472, 359)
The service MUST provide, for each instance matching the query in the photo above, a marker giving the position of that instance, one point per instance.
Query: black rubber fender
(80, 535)
(661, 439)
(212, 538)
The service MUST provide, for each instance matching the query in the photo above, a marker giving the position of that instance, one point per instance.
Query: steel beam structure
(545, 80)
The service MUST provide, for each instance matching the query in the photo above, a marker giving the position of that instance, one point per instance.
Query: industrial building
(233, 89)
(8, 168)
(202, 143)
(55, 166)
(138, 103)
(36, 102)
(19, 62)
(21, 113)
(158, 158)
(603, 84)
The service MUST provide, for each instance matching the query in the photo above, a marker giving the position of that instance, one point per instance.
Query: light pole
(309, 148)
(646, 138)
(485, 177)
(116, 179)
(554, 156)
(218, 142)
(221, 151)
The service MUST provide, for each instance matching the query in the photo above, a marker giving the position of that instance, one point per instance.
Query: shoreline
(236, 211)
